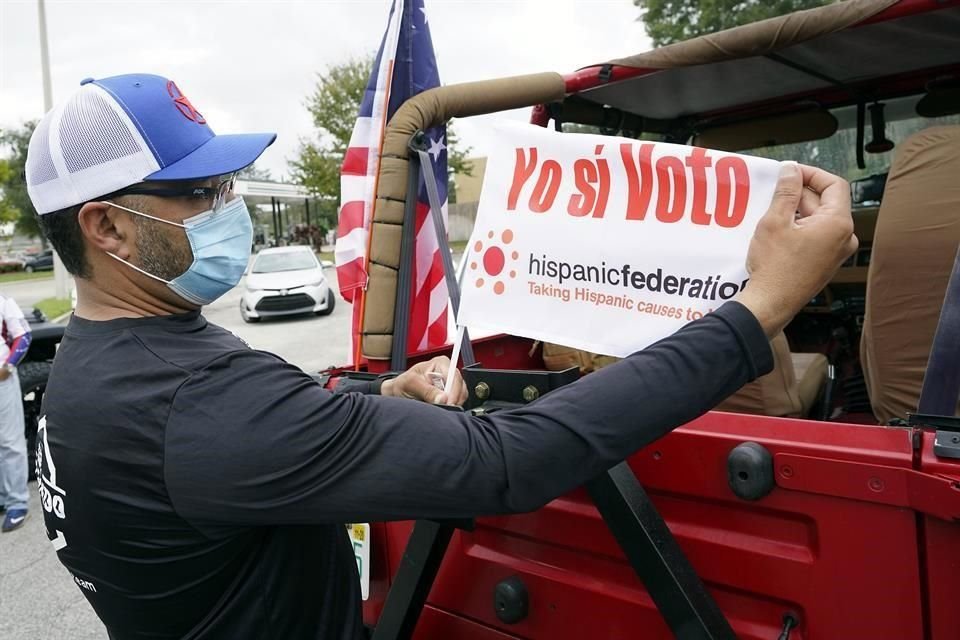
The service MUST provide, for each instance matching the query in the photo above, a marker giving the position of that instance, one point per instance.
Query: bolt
(955, 439)
(876, 484)
(786, 471)
(530, 393)
(482, 391)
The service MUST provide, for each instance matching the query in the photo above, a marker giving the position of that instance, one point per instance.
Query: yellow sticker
(359, 532)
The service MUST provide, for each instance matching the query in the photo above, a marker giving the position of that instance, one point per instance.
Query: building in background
(463, 213)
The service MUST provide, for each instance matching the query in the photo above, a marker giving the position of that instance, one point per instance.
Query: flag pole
(358, 342)
(59, 271)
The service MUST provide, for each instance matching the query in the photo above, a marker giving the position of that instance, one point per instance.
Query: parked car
(9, 264)
(285, 281)
(33, 371)
(42, 261)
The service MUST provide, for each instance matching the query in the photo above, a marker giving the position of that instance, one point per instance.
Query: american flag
(405, 65)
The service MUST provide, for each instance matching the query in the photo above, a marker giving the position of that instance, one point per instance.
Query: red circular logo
(183, 104)
(494, 259)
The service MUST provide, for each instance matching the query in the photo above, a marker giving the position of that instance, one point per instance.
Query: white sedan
(285, 281)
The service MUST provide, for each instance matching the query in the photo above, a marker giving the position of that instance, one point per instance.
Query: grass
(54, 307)
(17, 276)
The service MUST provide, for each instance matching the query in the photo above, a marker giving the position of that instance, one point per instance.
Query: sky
(248, 66)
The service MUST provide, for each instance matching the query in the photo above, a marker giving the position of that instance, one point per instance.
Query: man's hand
(798, 245)
(415, 384)
(4, 374)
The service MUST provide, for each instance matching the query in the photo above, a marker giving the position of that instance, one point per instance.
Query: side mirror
(326, 264)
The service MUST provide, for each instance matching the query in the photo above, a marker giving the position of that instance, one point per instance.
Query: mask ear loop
(136, 268)
(145, 215)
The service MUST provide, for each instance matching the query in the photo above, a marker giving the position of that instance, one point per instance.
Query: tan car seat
(918, 230)
(789, 390)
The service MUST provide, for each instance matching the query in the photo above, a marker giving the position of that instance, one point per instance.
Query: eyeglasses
(218, 194)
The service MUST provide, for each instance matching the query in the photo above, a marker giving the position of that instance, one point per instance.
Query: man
(13, 445)
(196, 488)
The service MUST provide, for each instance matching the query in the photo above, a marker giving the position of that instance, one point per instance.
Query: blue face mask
(220, 242)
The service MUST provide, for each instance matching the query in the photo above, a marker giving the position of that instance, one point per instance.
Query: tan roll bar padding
(758, 38)
(425, 110)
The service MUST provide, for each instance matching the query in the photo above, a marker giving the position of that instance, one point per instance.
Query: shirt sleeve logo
(52, 496)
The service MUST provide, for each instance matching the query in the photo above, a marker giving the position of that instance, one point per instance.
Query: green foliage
(333, 105)
(669, 21)
(15, 203)
(254, 173)
(54, 307)
(20, 276)
(8, 211)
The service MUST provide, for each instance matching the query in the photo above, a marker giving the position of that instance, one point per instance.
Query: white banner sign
(608, 244)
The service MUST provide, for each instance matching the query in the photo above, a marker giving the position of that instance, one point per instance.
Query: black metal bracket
(947, 423)
(946, 440)
(683, 600)
(418, 569)
(492, 389)
(606, 73)
(401, 310)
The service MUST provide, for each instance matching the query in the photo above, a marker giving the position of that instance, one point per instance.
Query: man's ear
(107, 228)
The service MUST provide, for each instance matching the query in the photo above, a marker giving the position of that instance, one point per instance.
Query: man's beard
(157, 253)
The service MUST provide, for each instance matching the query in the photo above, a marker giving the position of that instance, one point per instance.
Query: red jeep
(822, 507)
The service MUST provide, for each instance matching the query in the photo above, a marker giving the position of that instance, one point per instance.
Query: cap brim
(217, 156)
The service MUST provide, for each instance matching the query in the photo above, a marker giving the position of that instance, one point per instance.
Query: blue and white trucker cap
(122, 130)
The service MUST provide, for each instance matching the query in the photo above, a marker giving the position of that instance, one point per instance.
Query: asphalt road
(38, 599)
(310, 342)
(28, 292)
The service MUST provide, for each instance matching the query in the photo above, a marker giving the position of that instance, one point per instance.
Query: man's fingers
(458, 389)
(786, 197)
(809, 203)
(419, 387)
(834, 191)
(462, 393)
(852, 245)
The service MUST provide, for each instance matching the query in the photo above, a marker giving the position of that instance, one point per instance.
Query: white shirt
(14, 325)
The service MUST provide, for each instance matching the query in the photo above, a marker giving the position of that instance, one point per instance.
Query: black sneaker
(14, 519)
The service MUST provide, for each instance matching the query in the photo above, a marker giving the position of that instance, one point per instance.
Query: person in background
(13, 445)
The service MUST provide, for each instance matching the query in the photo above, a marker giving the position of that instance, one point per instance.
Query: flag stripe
(353, 271)
(351, 217)
(404, 66)
(355, 161)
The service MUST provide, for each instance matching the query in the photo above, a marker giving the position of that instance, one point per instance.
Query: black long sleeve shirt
(196, 488)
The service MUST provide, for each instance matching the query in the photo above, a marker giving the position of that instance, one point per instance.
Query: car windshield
(838, 153)
(292, 261)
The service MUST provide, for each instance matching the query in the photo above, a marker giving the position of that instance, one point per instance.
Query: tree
(8, 211)
(669, 21)
(254, 173)
(15, 199)
(333, 105)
